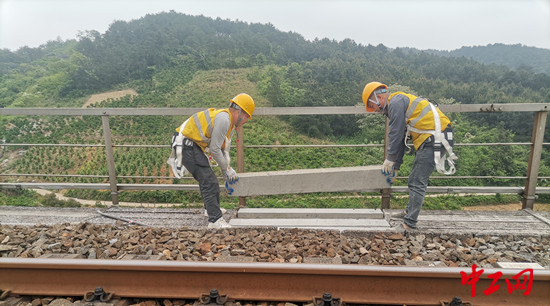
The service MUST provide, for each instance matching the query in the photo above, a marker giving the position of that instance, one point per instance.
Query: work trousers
(197, 164)
(423, 167)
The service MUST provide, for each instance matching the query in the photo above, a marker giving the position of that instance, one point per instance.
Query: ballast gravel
(121, 240)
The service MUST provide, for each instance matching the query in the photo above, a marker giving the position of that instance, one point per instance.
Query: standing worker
(431, 133)
(209, 132)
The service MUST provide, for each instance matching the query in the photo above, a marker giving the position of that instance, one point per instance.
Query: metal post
(534, 160)
(110, 158)
(386, 192)
(240, 159)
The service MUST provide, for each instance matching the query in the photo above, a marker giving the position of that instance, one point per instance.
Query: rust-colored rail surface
(266, 281)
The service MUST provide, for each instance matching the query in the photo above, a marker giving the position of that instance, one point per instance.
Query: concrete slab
(310, 213)
(310, 223)
(341, 179)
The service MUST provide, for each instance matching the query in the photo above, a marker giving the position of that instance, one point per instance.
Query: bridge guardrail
(529, 191)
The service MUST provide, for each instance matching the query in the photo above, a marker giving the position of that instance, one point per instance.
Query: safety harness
(176, 156)
(443, 141)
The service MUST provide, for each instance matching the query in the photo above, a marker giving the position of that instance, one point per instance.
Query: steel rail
(265, 281)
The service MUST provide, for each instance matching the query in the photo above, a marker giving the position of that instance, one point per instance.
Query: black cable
(120, 219)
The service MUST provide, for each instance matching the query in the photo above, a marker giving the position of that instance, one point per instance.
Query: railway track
(301, 283)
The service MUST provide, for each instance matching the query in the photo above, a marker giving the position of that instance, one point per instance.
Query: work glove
(387, 168)
(391, 178)
(229, 189)
(231, 176)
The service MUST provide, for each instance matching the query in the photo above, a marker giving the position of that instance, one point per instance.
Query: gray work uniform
(423, 164)
(196, 162)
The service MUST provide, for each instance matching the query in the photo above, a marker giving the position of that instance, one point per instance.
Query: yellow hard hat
(369, 88)
(245, 102)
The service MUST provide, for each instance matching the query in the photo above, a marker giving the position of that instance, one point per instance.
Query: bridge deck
(521, 222)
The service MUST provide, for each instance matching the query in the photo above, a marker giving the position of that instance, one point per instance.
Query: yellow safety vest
(419, 118)
(199, 127)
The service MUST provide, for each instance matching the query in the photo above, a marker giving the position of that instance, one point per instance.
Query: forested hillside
(518, 57)
(176, 60)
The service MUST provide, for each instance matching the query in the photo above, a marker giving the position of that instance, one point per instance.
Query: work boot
(221, 223)
(221, 208)
(399, 215)
(408, 228)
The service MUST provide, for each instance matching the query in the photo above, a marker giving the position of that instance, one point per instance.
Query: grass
(23, 197)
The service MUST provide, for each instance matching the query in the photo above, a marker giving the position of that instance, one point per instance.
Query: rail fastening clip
(213, 298)
(98, 295)
(327, 300)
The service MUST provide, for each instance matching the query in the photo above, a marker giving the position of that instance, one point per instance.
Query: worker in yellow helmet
(209, 132)
(431, 133)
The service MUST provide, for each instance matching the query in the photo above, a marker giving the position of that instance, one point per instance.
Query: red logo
(521, 281)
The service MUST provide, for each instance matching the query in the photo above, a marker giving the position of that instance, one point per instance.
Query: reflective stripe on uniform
(426, 110)
(210, 126)
(412, 107)
(197, 122)
(201, 127)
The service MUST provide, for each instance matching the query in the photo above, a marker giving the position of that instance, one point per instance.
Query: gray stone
(60, 302)
(143, 257)
(235, 259)
(62, 256)
(4, 248)
(323, 260)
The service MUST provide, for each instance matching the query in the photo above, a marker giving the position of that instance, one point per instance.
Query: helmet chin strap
(239, 118)
(377, 103)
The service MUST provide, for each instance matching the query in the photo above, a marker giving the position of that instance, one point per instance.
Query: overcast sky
(421, 24)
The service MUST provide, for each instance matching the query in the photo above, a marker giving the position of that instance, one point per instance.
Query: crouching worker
(209, 132)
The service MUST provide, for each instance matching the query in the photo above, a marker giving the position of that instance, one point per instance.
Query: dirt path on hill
(61, 197)
(109, 95)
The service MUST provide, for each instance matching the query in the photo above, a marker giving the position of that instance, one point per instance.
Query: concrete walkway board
(342, 179)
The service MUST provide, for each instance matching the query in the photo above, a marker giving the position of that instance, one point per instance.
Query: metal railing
(528, 192)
